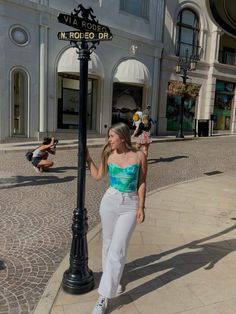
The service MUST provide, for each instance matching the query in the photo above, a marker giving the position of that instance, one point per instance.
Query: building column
(106, 104)
(209, 96)
(43, 75)
(233, 115)
(215, 44)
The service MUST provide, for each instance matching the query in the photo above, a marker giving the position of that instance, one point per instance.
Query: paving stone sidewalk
(36, 209)
(181, 260)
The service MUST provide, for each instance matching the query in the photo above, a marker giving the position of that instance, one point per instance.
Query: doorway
(68, 102)
(19, 103)
(224, 96)
(127, 99)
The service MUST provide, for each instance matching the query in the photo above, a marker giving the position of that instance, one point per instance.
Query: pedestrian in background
(137, 117)
(143, 134)
(147, 111)
(122, 206)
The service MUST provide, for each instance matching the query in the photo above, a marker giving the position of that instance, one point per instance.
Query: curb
(65, 146)
(93, 142)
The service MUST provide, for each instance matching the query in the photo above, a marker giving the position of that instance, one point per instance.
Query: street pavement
(36, 209)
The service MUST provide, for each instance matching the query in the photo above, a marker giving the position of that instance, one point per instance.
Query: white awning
(132, 71)
(69, 63)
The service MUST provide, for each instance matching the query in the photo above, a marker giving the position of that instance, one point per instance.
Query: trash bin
(203, 127)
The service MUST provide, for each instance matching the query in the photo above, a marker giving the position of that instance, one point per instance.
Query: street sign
(78, 36)
(82, 24)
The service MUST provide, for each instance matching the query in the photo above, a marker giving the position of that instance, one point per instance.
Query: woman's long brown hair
(123, 131)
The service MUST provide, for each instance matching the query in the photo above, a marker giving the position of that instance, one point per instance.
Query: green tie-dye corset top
(124, 179)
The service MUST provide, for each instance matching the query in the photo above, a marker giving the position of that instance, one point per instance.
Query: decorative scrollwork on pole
(85, 13)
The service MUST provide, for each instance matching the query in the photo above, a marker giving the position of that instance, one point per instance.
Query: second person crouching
(40, 155)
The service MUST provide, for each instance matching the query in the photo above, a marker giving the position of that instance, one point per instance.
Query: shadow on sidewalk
(62, 169)
(204, 255)
(20, 181)
(167, 159)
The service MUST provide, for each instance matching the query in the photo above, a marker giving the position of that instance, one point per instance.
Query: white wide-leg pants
(118, 215)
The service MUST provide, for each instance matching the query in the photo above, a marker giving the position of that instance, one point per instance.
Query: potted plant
(177, 88)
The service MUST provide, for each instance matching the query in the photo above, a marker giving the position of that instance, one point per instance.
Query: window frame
(195, 28)
(92, 105)
(144, 10)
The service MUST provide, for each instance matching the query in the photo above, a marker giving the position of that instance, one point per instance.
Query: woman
(122, 206)
(142, 132)
(40, 154)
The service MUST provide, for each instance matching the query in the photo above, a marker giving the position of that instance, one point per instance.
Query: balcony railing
(226, 57)
(193, 51)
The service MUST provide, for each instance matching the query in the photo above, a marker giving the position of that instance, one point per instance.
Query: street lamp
(184, 64)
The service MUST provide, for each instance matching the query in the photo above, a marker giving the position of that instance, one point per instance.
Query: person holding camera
(40, 160)
(142, 132)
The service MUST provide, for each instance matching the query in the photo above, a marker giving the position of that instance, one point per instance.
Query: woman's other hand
(88, 157)
(140, 217)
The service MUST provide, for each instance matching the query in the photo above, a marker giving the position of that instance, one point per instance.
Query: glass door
(223, 105)
(68, 102)
(19, 103)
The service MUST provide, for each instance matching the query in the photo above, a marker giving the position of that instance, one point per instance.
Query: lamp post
(79, 278)
(184, 64)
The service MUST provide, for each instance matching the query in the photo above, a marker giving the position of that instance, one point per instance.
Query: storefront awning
(133, 72)
(69, 63)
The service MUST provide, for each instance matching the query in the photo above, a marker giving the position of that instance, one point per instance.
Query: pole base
(76, 284)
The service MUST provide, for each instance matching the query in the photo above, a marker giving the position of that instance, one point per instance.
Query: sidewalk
(180, 260)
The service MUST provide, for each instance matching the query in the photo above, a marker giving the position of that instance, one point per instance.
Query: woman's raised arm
(96, 171)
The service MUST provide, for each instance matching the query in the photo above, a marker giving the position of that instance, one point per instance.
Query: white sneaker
(119, 289)
(101, 305)
(36, 169)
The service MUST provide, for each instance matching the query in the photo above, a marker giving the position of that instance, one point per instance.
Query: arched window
(187, 34)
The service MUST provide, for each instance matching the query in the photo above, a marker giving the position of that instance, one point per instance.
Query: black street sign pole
(79, 278)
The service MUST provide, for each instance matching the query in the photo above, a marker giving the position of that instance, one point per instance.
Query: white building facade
(188, 27)
(39, 85)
